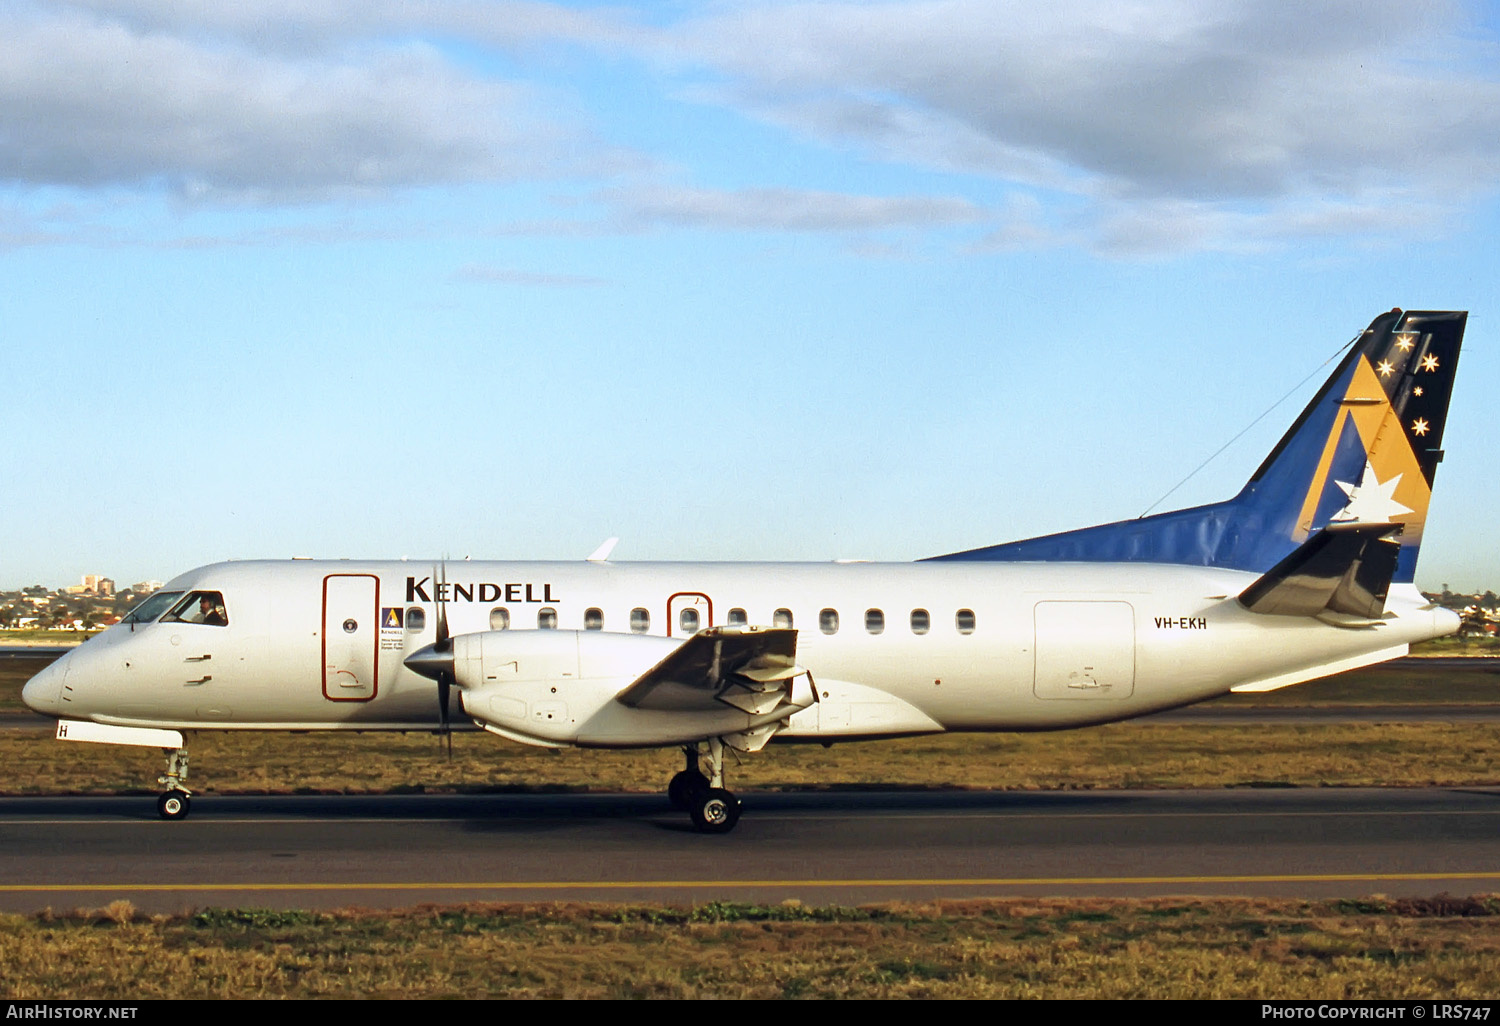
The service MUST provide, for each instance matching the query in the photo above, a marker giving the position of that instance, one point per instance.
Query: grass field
(1436, 948)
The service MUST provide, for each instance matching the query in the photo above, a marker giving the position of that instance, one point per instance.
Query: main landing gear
(176, 800)
(713, 809)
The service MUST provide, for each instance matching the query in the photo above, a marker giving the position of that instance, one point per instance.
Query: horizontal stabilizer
(1344, 568)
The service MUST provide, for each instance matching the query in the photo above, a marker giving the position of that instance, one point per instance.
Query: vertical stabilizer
(1365, 450)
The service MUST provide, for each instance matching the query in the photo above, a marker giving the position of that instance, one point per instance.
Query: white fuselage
(1006, 646)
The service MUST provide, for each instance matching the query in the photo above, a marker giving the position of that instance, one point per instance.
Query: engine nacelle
(559, 688)
(540, 685)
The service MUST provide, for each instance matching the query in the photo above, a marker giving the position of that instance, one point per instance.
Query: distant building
(145, 587)
(97, 584)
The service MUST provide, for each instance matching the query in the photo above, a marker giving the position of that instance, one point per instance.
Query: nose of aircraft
(41, 693)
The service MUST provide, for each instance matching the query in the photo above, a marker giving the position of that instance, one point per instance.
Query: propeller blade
(444, 683)
(443, 641)
(444, 645)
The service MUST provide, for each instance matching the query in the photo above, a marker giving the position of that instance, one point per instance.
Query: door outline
(673, 607)
(1083, 637)
(374, 622)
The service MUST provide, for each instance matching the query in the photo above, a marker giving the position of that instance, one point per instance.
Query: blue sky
(730, 281)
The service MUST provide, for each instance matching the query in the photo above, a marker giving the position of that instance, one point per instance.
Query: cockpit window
(152, 607)
(205, 607)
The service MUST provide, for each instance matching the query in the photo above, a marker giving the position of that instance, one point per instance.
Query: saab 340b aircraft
(1307, 571)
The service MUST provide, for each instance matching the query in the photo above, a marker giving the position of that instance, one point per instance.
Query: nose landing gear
(173, 805)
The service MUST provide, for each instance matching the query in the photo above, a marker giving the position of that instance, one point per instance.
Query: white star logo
(1385, 368)
(1405, 341)
(1419, 427)
(1372, 501)
(1417, 390)
(1429, 362)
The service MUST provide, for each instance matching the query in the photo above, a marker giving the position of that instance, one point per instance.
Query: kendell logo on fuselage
(486, 591)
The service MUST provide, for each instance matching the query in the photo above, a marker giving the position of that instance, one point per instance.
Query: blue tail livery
(1365, 450)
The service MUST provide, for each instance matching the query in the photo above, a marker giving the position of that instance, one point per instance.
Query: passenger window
(828, 621)
(687, 621)
(546, 618)
(965, 621)
(874, 620)
(781, 618)
(416, 619)
(205, 607)
(499, 619)
(921, 623)
(737, 618)
(593, 619)
(640, 620)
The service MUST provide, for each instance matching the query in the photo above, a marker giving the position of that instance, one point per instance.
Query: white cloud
(1253, 114)
(90, 102)
(1177, 98)
(1135, 126)
(784, 209)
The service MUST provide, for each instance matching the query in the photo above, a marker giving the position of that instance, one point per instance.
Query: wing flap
(719, 664)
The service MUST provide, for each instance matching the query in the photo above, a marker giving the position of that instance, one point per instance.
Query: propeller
(444, 646)
(435, 661)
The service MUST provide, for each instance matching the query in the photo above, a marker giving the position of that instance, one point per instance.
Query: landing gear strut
(176, 800)
(714, 810)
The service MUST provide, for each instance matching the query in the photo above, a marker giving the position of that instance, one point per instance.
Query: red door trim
(672, 621)
(375, 651)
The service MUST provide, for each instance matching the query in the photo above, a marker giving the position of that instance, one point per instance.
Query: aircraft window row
(689, 620)
(921, 621)
(205, 607)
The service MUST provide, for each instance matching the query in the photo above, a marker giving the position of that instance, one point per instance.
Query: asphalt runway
(846, 848)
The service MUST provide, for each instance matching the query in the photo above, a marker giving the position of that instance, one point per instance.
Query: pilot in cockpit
(205, 607)
(211, 612)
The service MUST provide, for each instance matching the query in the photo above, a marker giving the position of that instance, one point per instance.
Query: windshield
(151, 608)
(205, 607)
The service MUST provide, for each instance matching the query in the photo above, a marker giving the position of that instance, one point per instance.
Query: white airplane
(1308, 571)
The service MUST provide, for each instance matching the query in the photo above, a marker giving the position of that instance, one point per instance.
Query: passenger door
(351, 637)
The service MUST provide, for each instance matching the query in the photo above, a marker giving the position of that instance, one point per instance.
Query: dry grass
(1133, 754)
(1125, 755)
(1439, 948)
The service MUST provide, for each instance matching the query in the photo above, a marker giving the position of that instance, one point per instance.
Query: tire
(173, 805)
(716, 812)
(686, 787)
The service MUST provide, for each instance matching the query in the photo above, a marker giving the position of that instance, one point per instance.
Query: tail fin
(1364, 450)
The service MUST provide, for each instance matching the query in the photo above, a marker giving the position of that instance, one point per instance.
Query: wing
(750, 668)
